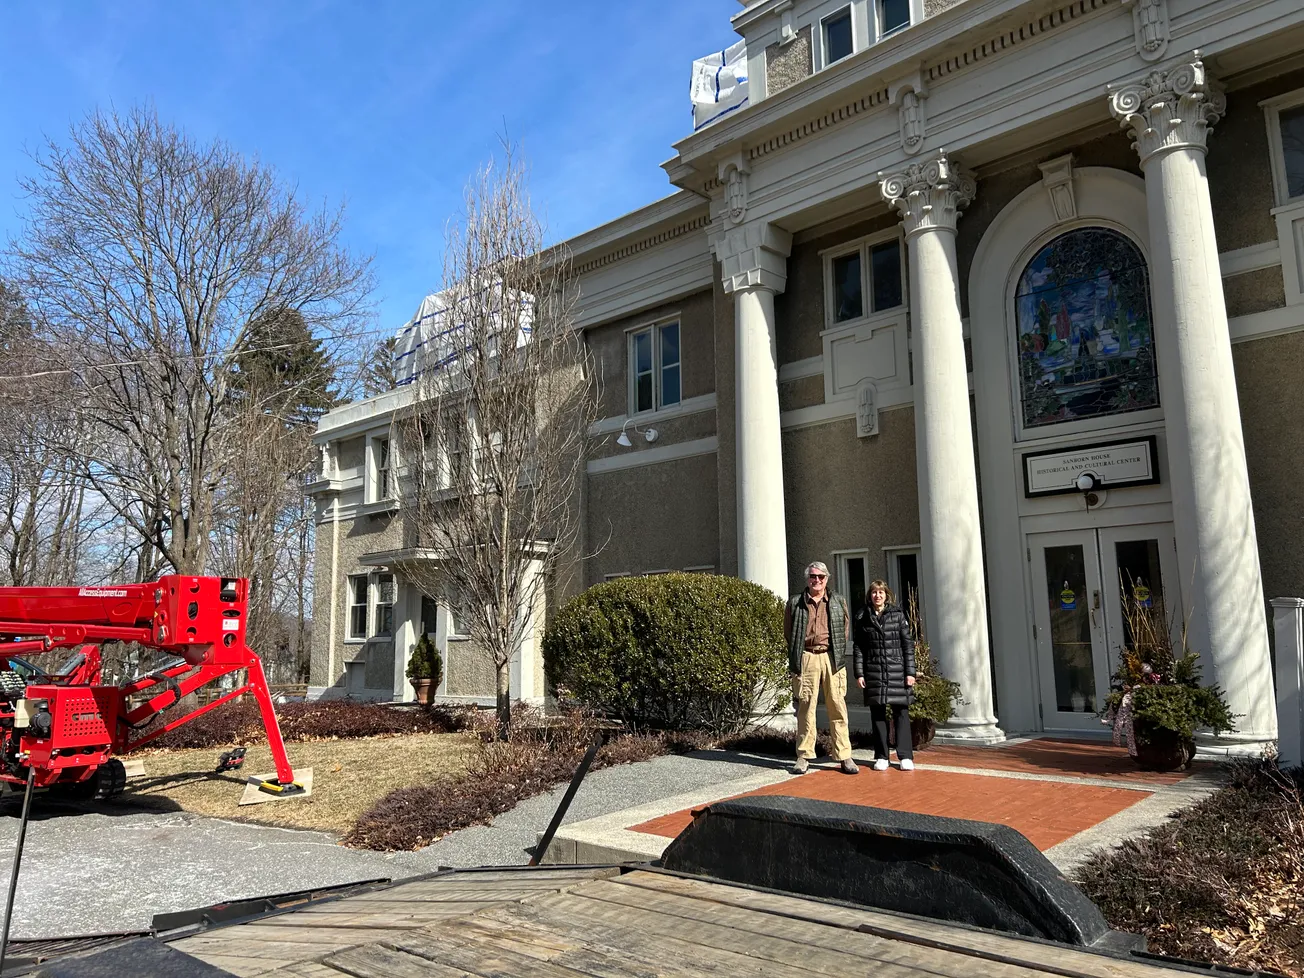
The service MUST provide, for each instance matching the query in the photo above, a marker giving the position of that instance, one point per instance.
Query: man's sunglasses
(817, 577)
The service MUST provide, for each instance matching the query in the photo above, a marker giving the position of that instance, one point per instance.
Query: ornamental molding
(733, 174)
(929, 195)
(753, 256)
(1057, 178)
(643, 244)
(993, 45)
(909, 94)
(1169, 110)
(1150, 24)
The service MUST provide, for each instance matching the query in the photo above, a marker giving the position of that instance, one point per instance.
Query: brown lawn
(349, 776)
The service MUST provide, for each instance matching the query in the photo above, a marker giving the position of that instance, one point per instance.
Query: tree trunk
(505, 700)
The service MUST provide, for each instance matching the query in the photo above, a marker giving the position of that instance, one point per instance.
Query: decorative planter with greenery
(935, 695)
(1157, 701)
(425, 669)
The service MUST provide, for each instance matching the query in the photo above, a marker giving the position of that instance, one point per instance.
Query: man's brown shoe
(801, 766)
(849, 767)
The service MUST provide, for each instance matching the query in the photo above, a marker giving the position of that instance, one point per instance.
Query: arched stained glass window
(1086, 346)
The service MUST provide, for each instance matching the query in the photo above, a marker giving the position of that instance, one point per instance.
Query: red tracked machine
(65, 726)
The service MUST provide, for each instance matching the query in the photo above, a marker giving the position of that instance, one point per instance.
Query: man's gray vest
(800, 618)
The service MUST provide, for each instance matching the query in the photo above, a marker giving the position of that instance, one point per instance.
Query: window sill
(459, 638)
(377, 507)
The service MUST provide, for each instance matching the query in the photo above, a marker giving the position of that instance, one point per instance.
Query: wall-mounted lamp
(1088, 484)
(649, 435)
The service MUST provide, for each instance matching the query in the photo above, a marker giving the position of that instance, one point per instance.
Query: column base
(971, 733)
(1233, 746)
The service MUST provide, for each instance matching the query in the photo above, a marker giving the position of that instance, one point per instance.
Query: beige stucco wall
(787, 64)
(934, 7)
(1255, 291)
(697, 354)
(351, 452)
(1268, 375)
(468, 670)
(849, 493)
(654, 517)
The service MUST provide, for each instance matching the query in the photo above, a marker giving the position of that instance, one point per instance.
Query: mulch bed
(1222, 882)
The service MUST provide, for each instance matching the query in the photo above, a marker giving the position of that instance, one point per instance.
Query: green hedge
(671, 652)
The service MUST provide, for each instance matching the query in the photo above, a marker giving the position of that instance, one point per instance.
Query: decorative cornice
(634, 247)
(828, 120)
(1150, 24)
(1006, 39)
(929, 195)
(753, 256)
(1169, 110)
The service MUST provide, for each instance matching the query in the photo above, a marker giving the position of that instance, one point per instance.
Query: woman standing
(884, 661)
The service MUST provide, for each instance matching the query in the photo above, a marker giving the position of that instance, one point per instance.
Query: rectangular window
(1291, 122)
(885, 270)
(837, 36)
(655, 368)
(384, 486)
(455, 452)
(853, 578)
(867, 280)
(849, 303)
(459, 618)
(893, 15)
(385, 604)
(358, 606)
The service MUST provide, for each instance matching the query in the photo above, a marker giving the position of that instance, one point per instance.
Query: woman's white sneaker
(907, 765)
(881, 764)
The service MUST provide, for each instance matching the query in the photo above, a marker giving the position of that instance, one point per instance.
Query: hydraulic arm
(66, 726)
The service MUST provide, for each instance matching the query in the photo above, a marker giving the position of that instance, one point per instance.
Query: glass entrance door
(1079, 580)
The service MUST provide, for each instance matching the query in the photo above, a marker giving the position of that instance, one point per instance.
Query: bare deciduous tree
(494, 443)
(152, 257)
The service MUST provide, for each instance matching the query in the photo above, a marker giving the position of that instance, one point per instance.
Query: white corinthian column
(929, 196)
(754, 266)
(1169, 115)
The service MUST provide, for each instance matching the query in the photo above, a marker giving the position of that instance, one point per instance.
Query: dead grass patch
(349, 777)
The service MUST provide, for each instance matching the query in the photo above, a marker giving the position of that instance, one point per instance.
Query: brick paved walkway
(1067, 797)
(1049, 790)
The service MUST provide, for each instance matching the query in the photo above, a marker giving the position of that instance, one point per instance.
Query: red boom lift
(65, 726)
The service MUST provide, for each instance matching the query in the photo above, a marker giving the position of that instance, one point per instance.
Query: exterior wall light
(649, 435)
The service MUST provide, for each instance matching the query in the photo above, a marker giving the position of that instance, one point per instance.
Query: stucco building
(998, 299)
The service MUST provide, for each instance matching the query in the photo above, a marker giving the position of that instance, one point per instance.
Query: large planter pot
(422, 687)
(921, 733)
(1158, 749)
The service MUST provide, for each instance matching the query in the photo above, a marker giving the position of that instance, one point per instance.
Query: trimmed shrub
(671, 652)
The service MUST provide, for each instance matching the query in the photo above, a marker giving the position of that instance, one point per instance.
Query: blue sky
(383, 105)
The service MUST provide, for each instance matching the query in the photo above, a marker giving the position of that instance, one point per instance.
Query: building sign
(1108, 466)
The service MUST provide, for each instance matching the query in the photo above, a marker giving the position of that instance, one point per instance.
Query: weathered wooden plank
(815, 944)
(374, 961)
(337, 937)
(305, 969)
(482, 958)
(751, 951)
(452, 894)
(907, 929)
(587, 956)
(237, 965)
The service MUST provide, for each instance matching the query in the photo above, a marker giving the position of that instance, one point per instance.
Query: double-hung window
(1285, 117)
(385, 604)
(358, 600)
(866, 280)
(654, 368)
(380, 469)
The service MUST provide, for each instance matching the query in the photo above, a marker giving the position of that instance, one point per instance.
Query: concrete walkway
(1068, 798)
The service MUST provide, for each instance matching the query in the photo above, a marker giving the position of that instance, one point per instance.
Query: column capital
(929, 195)
(753, 256)
(1169, 110)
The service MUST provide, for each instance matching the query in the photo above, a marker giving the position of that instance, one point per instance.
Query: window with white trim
(864, 279)
(852, 578)
(359, 596)
(1284, 115)
(654, 368)
(380, 469)
(385, 592)
(905, 578)
(838, 39)
(459, 617)
(893, 16)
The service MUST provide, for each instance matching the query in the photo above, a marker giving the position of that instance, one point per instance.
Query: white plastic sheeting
(719, 84)
(433, 339)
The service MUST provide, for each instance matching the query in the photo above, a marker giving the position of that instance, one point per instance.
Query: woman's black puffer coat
(884, 655)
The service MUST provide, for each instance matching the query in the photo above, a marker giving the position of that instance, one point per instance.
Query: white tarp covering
(433, 339)
(719, 84)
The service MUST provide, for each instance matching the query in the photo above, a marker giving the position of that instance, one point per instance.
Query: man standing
(817, 625)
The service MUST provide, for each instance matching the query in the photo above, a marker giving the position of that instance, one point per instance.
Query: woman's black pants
(901, 716)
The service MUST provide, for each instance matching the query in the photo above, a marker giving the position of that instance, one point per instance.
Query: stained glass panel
(1086, 345)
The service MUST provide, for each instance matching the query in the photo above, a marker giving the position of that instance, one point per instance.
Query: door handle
(1095, 605)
